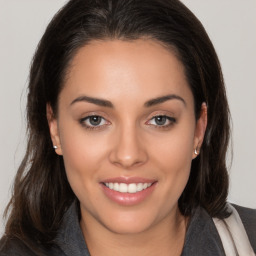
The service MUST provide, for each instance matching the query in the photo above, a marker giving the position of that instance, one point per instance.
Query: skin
(128, 142)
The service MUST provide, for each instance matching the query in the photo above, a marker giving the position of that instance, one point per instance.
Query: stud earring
(196, 152)
(55, 147)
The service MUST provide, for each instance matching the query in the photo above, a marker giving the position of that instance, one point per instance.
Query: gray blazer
(202, 238)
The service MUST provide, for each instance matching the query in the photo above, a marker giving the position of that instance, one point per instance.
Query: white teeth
(132, 188)
(145, 185)
(139, 187)
(116, 187)
(128, 188)
(123, 188)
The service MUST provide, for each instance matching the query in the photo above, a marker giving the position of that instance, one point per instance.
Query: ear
(54, 131)
(201, 125)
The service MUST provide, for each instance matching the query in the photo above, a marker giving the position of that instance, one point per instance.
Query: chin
(129, 223)
(131, 229)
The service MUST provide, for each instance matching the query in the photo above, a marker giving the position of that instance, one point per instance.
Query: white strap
(233, 235)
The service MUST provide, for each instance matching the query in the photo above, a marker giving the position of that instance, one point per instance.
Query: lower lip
(128, 199)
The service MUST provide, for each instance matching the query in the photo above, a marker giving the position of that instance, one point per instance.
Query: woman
(130, 96)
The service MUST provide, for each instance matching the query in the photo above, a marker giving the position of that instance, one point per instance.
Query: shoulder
(9, 246)
(248, 217)
(13, 246)
(201, 231)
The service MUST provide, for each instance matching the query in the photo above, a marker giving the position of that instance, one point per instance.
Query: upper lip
(128, 180)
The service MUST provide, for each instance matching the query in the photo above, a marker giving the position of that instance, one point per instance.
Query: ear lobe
(53, 128)
(201, 125)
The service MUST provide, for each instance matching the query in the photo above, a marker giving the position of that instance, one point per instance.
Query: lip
(128, 199)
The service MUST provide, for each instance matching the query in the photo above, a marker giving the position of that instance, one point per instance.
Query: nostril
(127, 149)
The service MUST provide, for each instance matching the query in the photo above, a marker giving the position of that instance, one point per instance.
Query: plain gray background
(231, 24)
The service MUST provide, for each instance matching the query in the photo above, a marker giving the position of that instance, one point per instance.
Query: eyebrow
(96, 101)
(162, 99)
(107, 103)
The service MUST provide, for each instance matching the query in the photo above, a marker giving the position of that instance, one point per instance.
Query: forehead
(117, 68)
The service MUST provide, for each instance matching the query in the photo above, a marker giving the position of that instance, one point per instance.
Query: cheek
(80, 147)
(174, 156)
(83, 155)
(83, 160)
(176, 148)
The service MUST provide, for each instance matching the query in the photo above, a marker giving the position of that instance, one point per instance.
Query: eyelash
(90, 126)
(171, 121)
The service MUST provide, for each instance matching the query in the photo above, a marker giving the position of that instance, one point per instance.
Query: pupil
(160, 120)
(95, 120)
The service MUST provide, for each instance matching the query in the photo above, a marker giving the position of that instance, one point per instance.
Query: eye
(94, 121)
(161, 121)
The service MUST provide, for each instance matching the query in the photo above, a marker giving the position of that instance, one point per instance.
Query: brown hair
(41, 192)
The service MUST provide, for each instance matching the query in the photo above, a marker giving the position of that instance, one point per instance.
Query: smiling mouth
(127, 188)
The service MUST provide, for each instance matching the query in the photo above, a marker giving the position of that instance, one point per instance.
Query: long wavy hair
(41, 192)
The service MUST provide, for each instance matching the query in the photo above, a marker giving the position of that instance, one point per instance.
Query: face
(127, 131)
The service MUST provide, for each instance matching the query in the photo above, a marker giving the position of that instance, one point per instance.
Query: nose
(128, 149)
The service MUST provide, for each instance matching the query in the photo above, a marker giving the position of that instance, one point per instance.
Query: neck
(166, 237)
